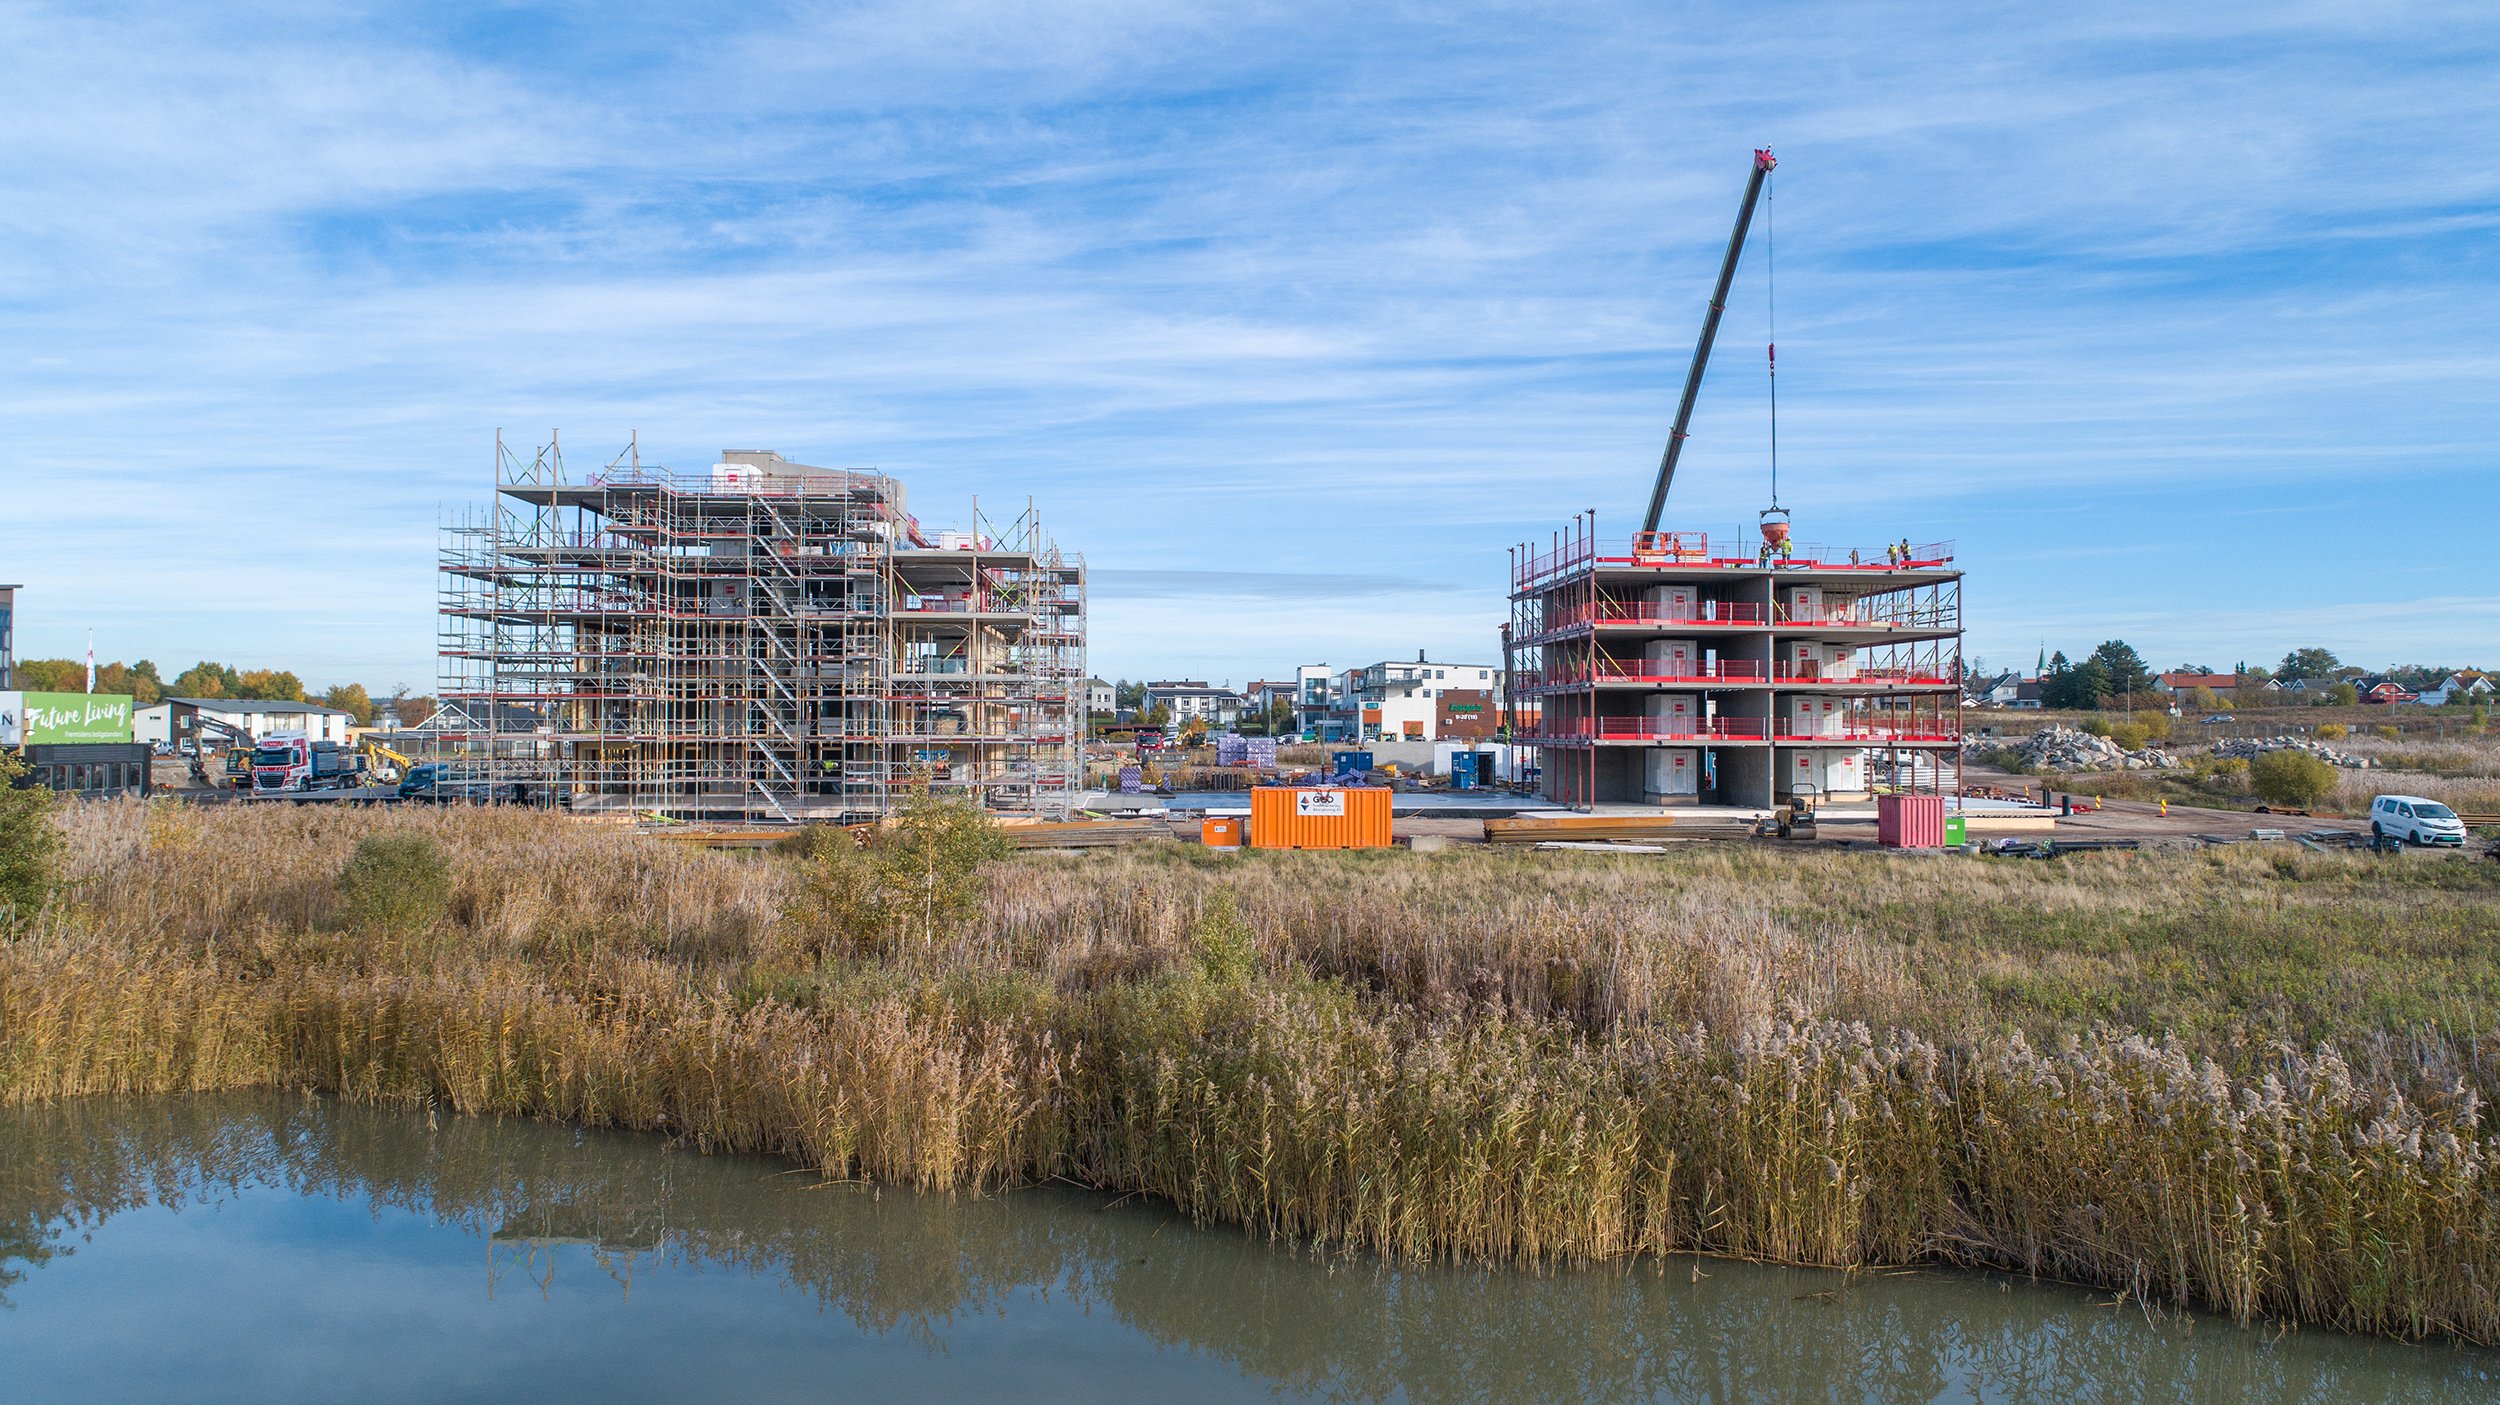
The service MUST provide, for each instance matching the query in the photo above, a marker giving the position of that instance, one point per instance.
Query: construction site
(1674, 668)
(757, 642)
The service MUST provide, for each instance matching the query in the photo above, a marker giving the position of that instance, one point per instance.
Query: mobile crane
(1763, 162)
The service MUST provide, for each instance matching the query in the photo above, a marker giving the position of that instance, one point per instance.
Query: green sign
(52, 719)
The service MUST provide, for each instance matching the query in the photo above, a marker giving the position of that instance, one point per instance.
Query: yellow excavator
(386, 764)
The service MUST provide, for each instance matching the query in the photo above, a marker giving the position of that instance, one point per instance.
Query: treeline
(206, 679)
(2114, 675)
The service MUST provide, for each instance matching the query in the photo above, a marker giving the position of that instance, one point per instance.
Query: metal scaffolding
(1760, 671)
(764, 641)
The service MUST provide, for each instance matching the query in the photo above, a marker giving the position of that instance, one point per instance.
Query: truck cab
(281, 761)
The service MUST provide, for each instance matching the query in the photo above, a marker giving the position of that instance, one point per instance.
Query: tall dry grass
(1831, 1059)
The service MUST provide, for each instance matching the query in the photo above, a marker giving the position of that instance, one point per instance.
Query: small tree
(2205, 699)
(2156, 725)
(2344, 695)
(2290, 777)
(910, 883)
(926, 863)
(29, 845)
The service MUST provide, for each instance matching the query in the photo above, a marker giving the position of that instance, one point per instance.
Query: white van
(2416, 820)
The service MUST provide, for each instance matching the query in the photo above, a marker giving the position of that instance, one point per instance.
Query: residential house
(2183, 682)
(1217, 707)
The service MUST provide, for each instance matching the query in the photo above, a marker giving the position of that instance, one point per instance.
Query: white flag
(91, 661)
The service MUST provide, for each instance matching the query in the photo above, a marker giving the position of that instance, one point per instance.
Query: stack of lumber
(1540, 829)
(1087, 834)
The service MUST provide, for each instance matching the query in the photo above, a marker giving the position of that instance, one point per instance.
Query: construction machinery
(387, 763)
(1763, 162)
(221, 755)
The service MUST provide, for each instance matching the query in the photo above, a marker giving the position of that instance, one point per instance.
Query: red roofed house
(2190, 682)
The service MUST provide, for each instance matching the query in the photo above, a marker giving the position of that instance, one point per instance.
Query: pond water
(271, 1248)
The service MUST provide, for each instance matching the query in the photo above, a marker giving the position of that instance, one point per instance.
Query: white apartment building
(1218, 707)
(1411, 701)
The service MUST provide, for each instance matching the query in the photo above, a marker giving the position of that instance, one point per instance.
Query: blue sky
(2183, 321)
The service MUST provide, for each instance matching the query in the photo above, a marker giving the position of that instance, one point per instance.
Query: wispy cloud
(1269, 307)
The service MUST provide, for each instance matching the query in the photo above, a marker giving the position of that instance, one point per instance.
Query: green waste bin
(1954, 831)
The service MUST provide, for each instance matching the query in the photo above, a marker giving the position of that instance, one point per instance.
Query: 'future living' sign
(60, 719)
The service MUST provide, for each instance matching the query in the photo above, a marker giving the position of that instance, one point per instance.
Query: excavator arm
(1762, 164)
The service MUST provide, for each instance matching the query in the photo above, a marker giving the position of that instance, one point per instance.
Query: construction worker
(1892, 554)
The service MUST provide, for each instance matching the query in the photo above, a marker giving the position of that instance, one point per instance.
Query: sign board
(56, 719)
(1319, 802)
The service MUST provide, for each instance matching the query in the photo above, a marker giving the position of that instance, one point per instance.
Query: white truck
(284, 761)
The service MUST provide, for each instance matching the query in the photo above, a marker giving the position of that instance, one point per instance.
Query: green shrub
(2156, 725)
(29, 845)
(2289, 777)
(2097, 726)
(2129, 735)
(2333, 731)
(2388, 733)
(395, 883)
(910, 884)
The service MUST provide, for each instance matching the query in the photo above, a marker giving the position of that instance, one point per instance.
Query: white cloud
(1294, 290)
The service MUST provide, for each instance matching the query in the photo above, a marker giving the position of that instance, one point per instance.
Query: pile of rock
(2056, 748)
(2248, 748)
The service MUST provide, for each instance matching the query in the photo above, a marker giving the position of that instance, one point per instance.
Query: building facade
(8, 636)
(1670, 669)
(175, 721)
(1187, 700)
(1421, 700)
(767, 641)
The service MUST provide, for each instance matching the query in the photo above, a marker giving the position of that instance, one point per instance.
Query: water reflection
(920, 1277)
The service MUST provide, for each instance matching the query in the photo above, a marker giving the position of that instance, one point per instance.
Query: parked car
(2414, 820)
(428, 783)
(2221, 717)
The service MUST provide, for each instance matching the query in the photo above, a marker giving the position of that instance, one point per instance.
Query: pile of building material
(1233, 750)
(2056, 748)
(2249, 748)
(1087, 834)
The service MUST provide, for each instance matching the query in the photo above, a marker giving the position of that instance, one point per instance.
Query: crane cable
(1770, 285)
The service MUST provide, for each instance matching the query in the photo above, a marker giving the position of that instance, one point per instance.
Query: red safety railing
(1647, 673)
(1730, 615)
(1688, 549)
(1670, 730)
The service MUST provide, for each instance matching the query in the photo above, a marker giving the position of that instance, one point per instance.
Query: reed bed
(2251, 1081)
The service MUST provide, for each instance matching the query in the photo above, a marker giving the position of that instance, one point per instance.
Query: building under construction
(759, 641)
(1673, 669)
(1677, 668)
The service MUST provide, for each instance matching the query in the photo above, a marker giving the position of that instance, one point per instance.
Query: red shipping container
(1909, 821)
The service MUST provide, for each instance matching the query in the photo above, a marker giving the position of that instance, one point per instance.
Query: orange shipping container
(1319, 817)
(1220, 832)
